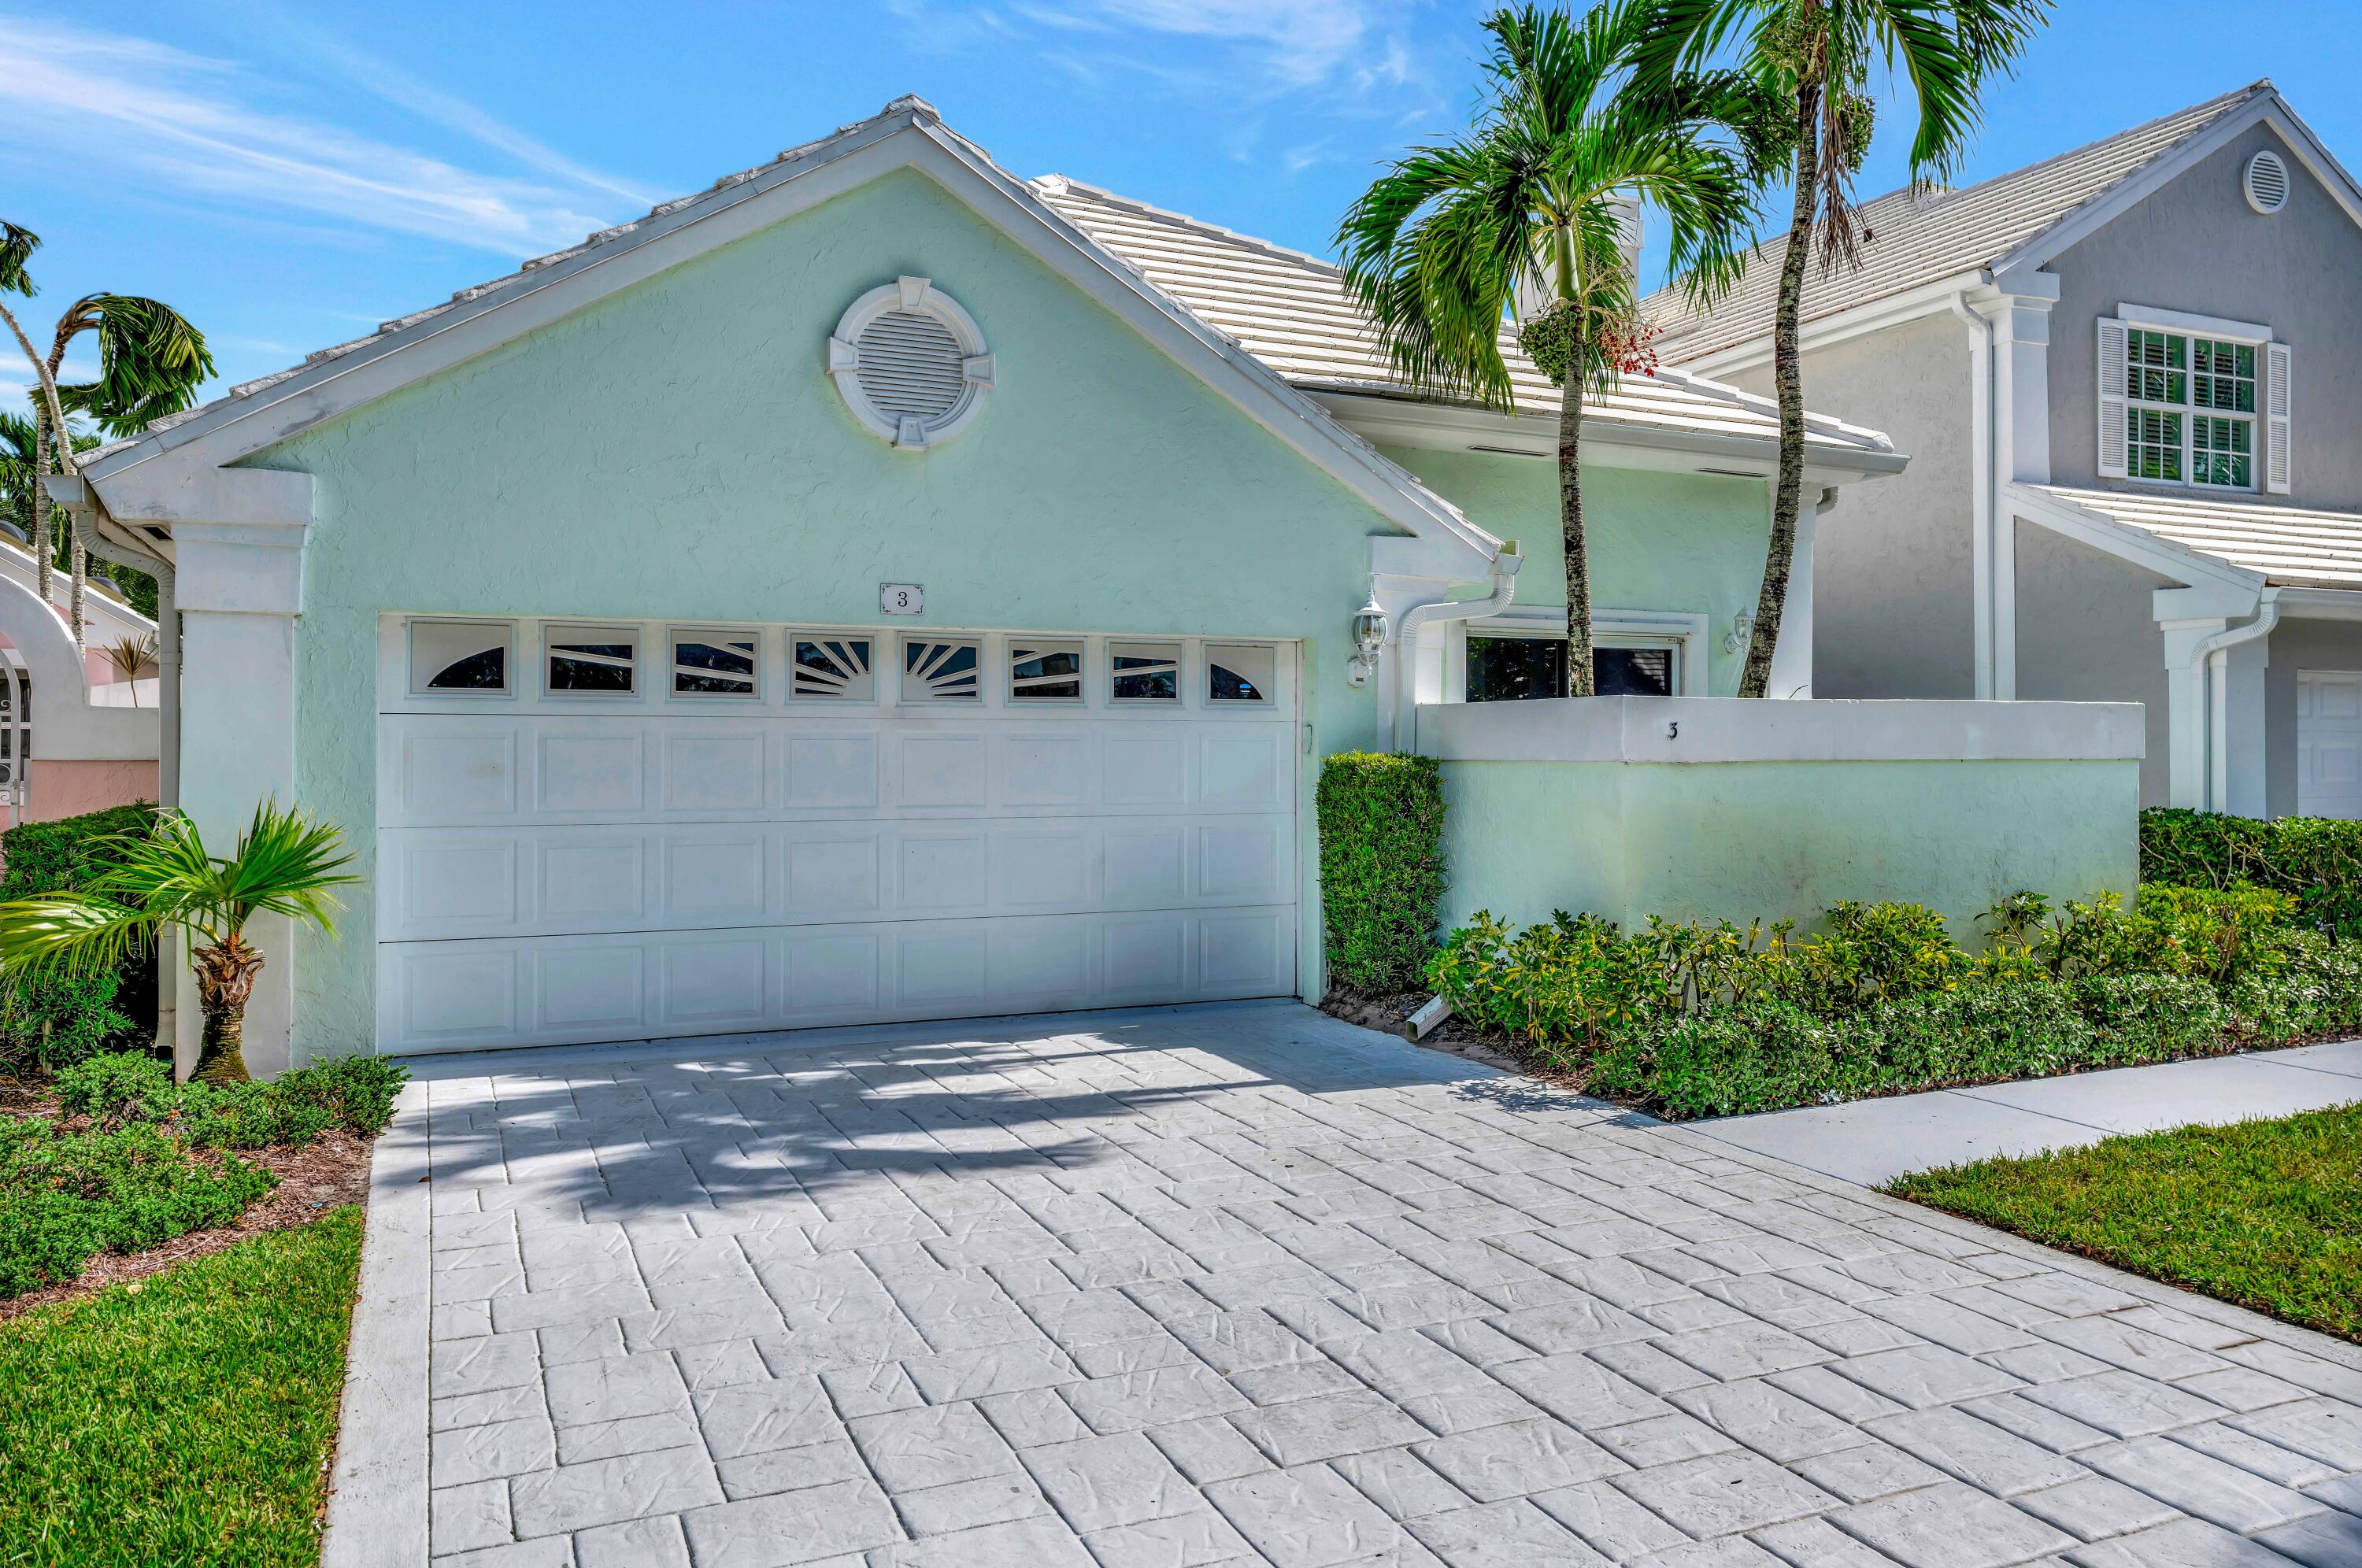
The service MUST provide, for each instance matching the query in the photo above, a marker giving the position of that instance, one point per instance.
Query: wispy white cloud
(182, 125)
(1297, 42)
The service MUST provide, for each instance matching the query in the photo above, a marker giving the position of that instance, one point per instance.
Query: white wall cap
(1730, 729)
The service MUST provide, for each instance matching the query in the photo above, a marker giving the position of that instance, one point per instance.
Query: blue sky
(289, 175)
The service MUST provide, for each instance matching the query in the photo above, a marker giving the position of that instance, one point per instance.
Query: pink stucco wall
(63, 788)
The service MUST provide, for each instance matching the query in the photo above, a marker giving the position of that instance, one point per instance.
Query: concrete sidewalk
(1873, 1141)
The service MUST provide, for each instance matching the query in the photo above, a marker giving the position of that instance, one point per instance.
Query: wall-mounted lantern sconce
(1369, 638)
(1742, 627)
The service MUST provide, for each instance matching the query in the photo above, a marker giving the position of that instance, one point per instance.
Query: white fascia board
(2139, 546)
(2320, 603)
(1399, 421)
(2267, 109)
(1845, 326)
(272, 414)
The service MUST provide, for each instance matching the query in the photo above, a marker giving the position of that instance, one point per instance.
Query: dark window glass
(945, 671)
(1226, 685)
(726, 670)
(1632, 672)
(590, 667)
(1507, 669)
(1146, 678)
(485, 672)
(831, 667)
(1053, 675)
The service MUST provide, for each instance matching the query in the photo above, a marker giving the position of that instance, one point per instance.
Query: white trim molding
(1686, 630)
(2161, 320)
(970, 378)
(1733, 729)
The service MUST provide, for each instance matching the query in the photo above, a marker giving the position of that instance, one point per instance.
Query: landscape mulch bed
(332, 1170)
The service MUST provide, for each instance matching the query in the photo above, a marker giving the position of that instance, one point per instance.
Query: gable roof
(1918, 238)
(1292, 312)
(150, 478)
(2294, 547)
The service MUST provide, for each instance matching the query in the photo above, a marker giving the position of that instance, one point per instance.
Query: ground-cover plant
(1714, 1020)
(135, 1160)
(2261, 1213)
(186, 1422)
(283, 865)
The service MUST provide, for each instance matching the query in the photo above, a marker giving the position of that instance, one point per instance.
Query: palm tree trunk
(42, 547)
(74, 598)
(226, 972)
(1570, 523)
(1787, 496)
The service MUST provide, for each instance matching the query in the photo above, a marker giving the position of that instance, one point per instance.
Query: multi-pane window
(1504, 670)
(2191, 413)
(713, 664)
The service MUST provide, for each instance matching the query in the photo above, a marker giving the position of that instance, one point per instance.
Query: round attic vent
(2266, 182)
(910, 363)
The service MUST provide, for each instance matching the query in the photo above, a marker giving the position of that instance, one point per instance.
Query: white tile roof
(2292, 546)
(1291, 311)
(1921, 239)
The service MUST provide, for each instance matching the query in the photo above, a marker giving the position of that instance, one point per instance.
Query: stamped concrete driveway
(1250, 1285)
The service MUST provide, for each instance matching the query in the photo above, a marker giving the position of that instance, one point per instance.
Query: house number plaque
(902, 598)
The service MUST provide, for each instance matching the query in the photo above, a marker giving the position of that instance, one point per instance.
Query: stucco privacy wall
(1893, 610)
(1709, 841)
(2196, 246)
(1655, 540)
(676, 452)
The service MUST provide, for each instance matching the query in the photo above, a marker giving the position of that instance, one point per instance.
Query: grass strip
(2265, 1214)
(185, 1421)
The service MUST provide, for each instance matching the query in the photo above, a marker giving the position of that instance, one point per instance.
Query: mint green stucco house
(882, 588)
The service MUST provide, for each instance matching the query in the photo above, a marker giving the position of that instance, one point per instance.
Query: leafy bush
(2317, 861)
(55, 1020)
(114, 1089)
(2154, 1018)
(2316, 990)
(2216, 934)
(1381, 867)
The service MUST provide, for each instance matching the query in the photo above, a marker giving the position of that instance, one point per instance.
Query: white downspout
(2213, 654)
(1402, 637)
(1983, 594)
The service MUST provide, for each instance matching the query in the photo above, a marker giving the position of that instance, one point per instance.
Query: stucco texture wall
(2197, 246)
(2086, 634)
(1707, 841)
(676, 452)
(1893, 610)
(1692, 542)
(2296, 645)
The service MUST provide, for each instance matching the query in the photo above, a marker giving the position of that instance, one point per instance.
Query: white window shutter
(2112, 398)
(2279, 468)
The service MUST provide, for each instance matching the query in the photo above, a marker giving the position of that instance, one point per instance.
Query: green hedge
(58, 1019)
(2315, 860)
(1381, 869)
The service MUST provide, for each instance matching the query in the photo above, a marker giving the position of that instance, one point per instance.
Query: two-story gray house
(2130, 381)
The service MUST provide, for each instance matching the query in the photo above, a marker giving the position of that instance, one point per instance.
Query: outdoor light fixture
(1742, 627)
(1369, 636)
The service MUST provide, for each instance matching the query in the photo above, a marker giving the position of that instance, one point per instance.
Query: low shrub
(2317, 861)
(1698, 1020)
(66, 1195)
(1381, 867)
(126, 1085)
(54, 1019)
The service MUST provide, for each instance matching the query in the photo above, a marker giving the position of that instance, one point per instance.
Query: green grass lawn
(2265, 1214)
(186, 1423)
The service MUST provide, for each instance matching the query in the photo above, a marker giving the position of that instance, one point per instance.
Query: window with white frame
(1237, 672)
(2186, 401)
(590, 661)
(830, 668)
(716, 663)
(1512, 667)
(459, 658)
(1045, 672)
(1144, 672)
(942, 669)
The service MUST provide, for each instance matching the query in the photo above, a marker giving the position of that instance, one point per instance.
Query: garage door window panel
(460, 658)
(1045, 672)
(1144, 672)
(1239, 674)
(833, 669)
(943, 670)
(713, 663)
(592, 661)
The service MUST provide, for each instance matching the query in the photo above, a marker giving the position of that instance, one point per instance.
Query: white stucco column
(241, 591)
(2238, 763)
(2020, 432)
(2187, 783)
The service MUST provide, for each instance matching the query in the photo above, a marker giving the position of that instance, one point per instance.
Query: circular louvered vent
(909, 362)
(2266, 182)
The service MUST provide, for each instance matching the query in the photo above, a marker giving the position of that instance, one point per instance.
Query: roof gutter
(1399, 691)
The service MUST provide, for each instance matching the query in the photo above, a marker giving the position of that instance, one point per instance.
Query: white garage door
(619, 831)
(2329, 743)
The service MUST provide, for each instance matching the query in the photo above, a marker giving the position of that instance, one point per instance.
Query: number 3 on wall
(902, 598)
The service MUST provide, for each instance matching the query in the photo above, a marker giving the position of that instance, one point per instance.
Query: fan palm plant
(151, 363)
(283, 865)
(1817, 56)
(133, 658)
(1440, 247)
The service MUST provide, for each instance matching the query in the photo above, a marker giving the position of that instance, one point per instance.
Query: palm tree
(1437, 249)
(1817, 55)
(283, 865)
(133, 658)
(151, 363)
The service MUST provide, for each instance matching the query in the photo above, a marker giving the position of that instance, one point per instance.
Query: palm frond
(150, 361)
(77, 933)
(286, 864)
(18, 244)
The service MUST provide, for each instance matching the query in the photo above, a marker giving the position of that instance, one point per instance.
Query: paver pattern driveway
(1250, 1285)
